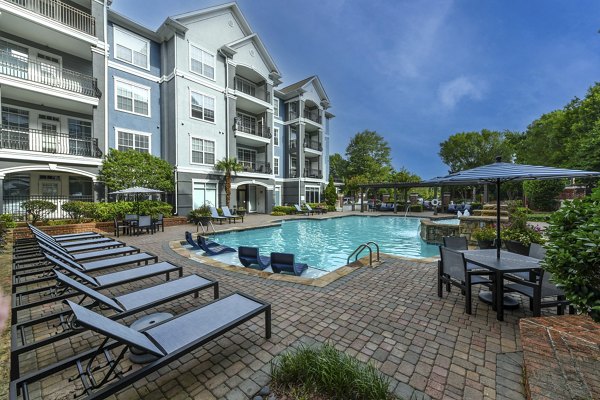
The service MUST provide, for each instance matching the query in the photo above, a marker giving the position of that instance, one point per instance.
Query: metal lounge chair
(311, 210)
(124, 305)
(86, 246)
(213, 249)
(73, 241)
(284, 262)
(251, 256)
(24, 299)
(452, 270)
(227, 214)
(70, 236)
(299, 210)
(193, 329)
(214, 214)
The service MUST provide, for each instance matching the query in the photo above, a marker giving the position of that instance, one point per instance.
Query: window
(247, 158)
(16, 186)
(137, 141)
(293, 167)
(246, 123)
(203, 151)
(202, 62)
(131, 49)
(204, 193)
(276, 107)
(276, 165)
(276, 136)
(245, 86)
(313, 194)
(79, 187)
(132, 98)
(203, 107)
(15, 60)
(277, 195)
(80, 138)
(15, 124)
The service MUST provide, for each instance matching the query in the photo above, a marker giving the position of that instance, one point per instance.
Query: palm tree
(229, 166)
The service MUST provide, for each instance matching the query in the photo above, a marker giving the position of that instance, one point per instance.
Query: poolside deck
(389, 315)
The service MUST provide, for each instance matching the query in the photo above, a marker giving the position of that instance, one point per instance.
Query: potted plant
(485, 237)
(241, 211)
(200, 215)
(518, 240)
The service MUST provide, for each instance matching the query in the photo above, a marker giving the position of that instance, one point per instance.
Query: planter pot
(485, 244)
(241, 213)
(516, 247)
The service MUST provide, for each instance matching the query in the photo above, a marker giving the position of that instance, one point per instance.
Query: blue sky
(419, 71)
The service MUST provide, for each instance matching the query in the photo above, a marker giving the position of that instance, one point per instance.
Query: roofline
(254, 37)
(132, 25)
(232, 5)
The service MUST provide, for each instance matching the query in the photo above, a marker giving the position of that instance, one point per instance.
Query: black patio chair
(537, 290)
(456, 242)
(123, 305)
(144, 223)
(118, 225)
(452, 270)
(168, 341)
(159, 221)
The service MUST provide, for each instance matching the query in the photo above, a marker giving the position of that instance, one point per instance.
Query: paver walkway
(389, 316)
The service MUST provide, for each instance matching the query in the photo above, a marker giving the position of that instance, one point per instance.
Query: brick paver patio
(389, 315)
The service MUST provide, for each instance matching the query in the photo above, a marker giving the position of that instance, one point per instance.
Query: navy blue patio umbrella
(499, 172)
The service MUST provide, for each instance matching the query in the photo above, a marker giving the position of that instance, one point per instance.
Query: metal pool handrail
(360, 248)
(209, 223)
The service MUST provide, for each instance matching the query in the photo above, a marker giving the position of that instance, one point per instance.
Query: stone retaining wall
(433, 233)
(469, 224)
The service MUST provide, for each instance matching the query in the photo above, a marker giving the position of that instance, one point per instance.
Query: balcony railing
(257, 129)
(251, 89)
(22, 67)
(48, 142)
(293, 173)
(313, 115)
(313, 173)
(62, 13)
(257, 167)
(292, 114)
(12, 204)
(313, 144)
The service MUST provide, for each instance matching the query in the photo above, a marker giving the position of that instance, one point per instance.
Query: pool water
(326, 244)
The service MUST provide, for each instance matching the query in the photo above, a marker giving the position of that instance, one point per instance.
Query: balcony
(48, 74)
(313, 173)
(251, 89)
(313, 145)
(313, 115)
(48, 142)
(256, 167)
(293, 173)
(61, 13)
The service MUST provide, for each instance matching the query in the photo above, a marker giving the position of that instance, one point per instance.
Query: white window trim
(190, 44)
(126, 32)
(125, 130)
(278, 187)
(194, 181)
(214, 111)
(278, 166)
(278, 114)
(276, 133)
(215, 151)
(124, 81)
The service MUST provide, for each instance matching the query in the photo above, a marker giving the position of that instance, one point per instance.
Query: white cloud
(451, 92)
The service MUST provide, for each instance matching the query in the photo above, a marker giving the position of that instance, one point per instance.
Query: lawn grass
(326, 373)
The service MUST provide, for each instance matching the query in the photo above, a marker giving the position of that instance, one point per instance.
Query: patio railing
(313, 144)
(62, 13)
(313, 115)
(49, 74)
(12, 205)
(257, 167)
(48, 142)
(313, 173)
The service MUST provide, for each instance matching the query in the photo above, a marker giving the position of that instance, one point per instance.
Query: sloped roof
(261, 48)
(295, 86)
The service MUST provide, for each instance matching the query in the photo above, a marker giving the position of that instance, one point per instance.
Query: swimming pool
(326, 244)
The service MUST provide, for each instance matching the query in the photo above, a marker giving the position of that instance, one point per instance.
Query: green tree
(38, 209)
(467, 150)
(338, 166)
(125, 169)
(229, 166)
(330, 193)
(368, 155)
(543, 195)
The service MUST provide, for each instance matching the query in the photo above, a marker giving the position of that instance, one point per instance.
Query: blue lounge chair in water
(284, 262)
(212, 248)
(195, 246)
(250, 256)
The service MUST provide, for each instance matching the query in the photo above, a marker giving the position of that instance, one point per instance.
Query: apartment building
(77, 79)
(52, 85)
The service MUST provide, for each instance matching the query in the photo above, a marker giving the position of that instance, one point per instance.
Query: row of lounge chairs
(227, 215)
(47, 271)
(250, 256)
(309, 210)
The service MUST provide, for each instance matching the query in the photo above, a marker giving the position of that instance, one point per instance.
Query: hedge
(109, 211)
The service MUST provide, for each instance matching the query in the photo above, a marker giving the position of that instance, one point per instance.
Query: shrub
(542, 195)
(109, 211)
(76, 209)
(8, 221)
(573, 254)
(330, 193)
(476, 205)
(202, 211)
(154, 207)
(285, 209)
(485, 233)
(416, 208)
(38, 209)
(278, 213)
(328, 373)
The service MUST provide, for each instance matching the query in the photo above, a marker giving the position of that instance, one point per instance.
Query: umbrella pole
(498, 244)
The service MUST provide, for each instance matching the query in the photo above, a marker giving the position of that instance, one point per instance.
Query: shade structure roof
(137, 190)
(508, 172)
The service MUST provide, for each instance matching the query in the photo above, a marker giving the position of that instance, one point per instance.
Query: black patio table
(507, 263)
